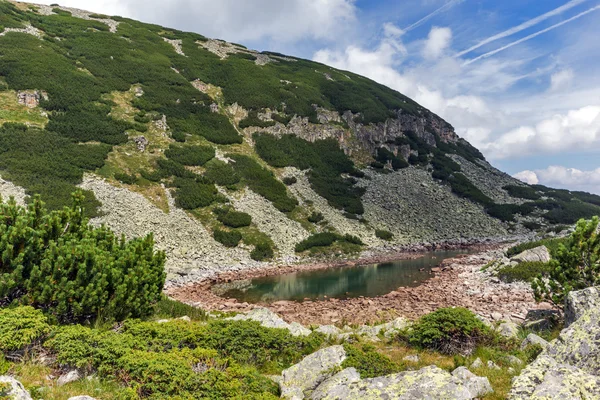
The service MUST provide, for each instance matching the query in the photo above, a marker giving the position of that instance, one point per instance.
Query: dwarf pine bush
(57, 262)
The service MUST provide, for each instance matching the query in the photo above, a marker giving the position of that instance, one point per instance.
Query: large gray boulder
(577, 303)
(430, 383)
(569, 368)
(540, 253)
(533, 339)
(71, 376)
(15, 391)
(347, 376)
(301, 379)
(269, 319)
(508, 329)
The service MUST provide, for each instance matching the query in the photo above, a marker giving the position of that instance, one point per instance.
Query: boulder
(533, 339)
(269, 319)
(540, 254)
(477, 363)
(389, 329)
(301, 379)
(427, 383)
(329, 330)
(577, 303)
(14, 391)
(349, 375)
(477, 386)
(514, 360)
(414, 358)
(492, 365)
(508, 330)
(69, 377)
(569, 367)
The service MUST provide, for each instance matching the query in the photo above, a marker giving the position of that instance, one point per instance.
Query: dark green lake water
(341, 283)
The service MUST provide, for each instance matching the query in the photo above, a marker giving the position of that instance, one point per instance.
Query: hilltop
(234, 157)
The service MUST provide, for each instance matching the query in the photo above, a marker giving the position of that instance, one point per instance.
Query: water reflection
(347, 282)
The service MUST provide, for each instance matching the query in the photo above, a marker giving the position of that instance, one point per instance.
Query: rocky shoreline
(460, 281)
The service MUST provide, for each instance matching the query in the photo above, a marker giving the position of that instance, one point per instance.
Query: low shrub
(221, 173)
(449, 331)
(227, 238)
(178, 136)
(232, 218)
(168, 308)
(192, 194)
(77, 272)
(368, 362)
(384, 235)
(253, 120)
(190, 155)
(125, 178)
(325, 239)
(290, 180)
(522, 192)
(524, 272)
(21, 327)
(262, 251)
(316, 217)
(532, 226)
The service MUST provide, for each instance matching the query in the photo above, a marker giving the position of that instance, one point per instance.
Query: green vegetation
(77, 272)
(125, 178)
(449, 331)
(316, 217)
(576, 265)
(190, 155)
(262, 252)
(368, 362)
(253, 120)
(383, 234)
(263, 182)
(194, 193)
(289, 180)
(524, 272)
(233, 219)
(221, 173)
(227, 238)
(522, 192)
(21, 327)
(325, 239)
(326, 162)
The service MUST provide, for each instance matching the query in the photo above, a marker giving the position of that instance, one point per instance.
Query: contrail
(525, 25)
(443, 8)
(526, 38)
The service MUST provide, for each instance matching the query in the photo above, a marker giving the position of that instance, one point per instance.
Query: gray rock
(569, 367)
(577, 303)
(430, 383)
(492, 365)
(269, 319)
(477, 386)
(329, 330)
(533, 339)
(82, 398)
(17, 391)
(69, 377)
(349, 375)
(540, 254)
(514, 360)
(477, 363)
(414, 358)
(508, 330)
(308, 374)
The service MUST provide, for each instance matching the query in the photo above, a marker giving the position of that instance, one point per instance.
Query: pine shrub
(384, 235)
(316, 217)
(57, 262)
(262, 251)
(449, 331)
(232, 218)
(227, 238)
(21, 327)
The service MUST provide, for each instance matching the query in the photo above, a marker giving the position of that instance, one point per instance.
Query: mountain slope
(232, 156)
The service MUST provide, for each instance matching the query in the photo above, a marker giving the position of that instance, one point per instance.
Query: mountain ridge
(168, 131)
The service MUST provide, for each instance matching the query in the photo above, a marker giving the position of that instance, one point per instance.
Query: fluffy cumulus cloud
(438, 41)
(235, 20)
(576, 130)
(559, 176)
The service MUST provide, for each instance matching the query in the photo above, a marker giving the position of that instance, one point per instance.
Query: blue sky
(518, 78)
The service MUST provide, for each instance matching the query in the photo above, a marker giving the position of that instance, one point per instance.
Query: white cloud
(559, 176)
(234, 20)
(438, 41)
(561, 79)
(575, 130)
(527, 176)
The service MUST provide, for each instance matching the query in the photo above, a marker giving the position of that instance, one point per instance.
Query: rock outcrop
(579, 302)
(14, 389)
(569, 367)
(269, 319)
(538, 254)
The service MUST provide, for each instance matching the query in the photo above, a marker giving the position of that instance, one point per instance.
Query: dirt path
(457, 282)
